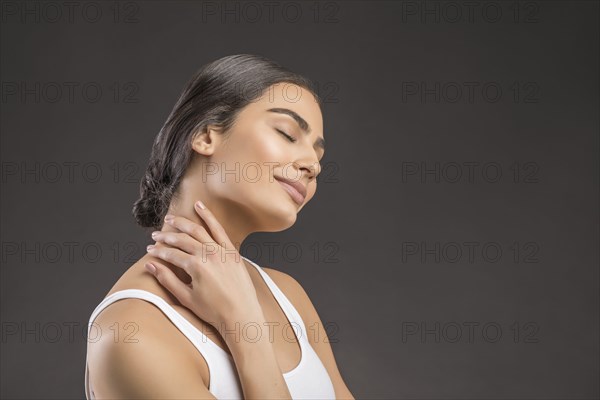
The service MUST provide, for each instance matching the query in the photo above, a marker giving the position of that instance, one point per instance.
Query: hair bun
(148, 209)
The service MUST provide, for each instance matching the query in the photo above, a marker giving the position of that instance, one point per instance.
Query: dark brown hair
(216, 93)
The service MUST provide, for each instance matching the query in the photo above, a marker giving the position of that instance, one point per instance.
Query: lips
(294, 188)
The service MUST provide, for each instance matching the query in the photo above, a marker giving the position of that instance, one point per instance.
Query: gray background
(356, 248)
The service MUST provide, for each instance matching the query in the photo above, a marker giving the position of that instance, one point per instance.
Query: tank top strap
(213, 354)
(196, 336)
(286, 305)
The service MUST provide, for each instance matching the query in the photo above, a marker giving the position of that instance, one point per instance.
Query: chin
(282, 215)
(285, 219)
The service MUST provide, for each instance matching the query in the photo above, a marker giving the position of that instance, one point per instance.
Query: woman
(192, 318)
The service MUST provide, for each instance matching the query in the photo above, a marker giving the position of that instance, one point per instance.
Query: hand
(221, 291)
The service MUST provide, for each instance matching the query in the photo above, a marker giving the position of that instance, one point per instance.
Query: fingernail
(154, 234)
(149, 247)
(151, 268)
(199, 204)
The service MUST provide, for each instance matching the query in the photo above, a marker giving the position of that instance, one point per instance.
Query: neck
(231, 216)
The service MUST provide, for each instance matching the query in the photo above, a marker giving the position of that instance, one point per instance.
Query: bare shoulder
(292, 289)
(280, 277)
(129, 315)
(137, 352)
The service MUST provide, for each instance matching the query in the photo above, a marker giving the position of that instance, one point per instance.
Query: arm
(319, 339)
(162, 364)
(255, 361)
(153, 363)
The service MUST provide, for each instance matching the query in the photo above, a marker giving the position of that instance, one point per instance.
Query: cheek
(257, 144)
(267, 153)
(270, 150)
(250, 161)
(242, 172)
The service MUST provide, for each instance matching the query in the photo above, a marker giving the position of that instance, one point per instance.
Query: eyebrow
(320, 142)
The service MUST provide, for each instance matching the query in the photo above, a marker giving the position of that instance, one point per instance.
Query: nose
(310, 169)
(307, 163)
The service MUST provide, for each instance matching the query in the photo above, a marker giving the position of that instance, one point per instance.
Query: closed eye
(290, 138)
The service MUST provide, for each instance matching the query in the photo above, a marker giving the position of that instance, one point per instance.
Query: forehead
(292, 97)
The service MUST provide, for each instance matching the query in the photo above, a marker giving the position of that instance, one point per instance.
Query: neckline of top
(272, 288)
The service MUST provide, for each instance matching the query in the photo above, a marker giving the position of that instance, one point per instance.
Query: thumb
(171, 282)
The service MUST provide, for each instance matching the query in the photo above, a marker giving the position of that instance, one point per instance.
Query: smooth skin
(141, 353)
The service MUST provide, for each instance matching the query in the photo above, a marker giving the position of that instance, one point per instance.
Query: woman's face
(244, 166)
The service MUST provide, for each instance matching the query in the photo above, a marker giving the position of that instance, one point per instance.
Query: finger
(217, 230)
(171, 282)
(183, 241)
(191, 228)
(172, 255)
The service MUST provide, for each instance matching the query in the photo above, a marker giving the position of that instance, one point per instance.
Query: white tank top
(309, 380)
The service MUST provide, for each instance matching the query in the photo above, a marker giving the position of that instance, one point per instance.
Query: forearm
(255, 359)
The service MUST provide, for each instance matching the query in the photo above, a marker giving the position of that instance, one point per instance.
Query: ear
(206, 141)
